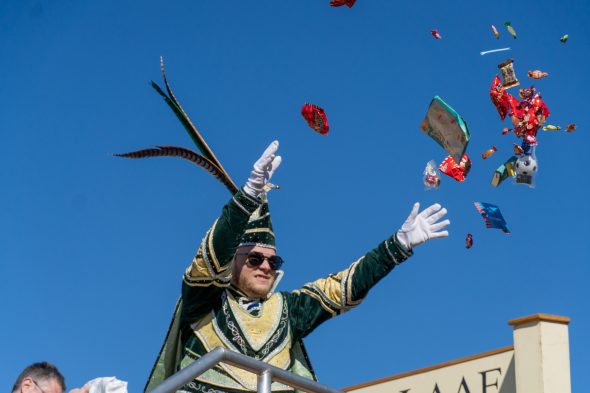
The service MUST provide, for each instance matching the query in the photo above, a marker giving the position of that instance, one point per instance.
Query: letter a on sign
(464, 386)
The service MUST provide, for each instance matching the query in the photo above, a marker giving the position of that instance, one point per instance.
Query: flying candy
(443, 124)
(527, 115)
(551, 127)
(570, 127)
(495, 31)
(504, 171)
(469, 241)
(493, 51)
(316, 118)
(436, 34)
(510, 29)
(492, 216)
(526, 167)
(508, 75)
(564, 38)
(537, 74)
(457, 171)
(518, 150)
(489, 152)
(431, 177)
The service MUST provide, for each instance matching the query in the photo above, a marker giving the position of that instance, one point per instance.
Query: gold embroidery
(205, 332)
(257, 330)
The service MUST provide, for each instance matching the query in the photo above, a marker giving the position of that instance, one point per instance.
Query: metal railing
(266, 373)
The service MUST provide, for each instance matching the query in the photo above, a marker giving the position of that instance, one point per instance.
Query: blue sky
(93, 247)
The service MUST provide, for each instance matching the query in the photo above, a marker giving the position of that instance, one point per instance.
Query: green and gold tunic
(213, 313)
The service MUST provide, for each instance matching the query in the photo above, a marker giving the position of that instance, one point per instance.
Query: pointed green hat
(259, 231)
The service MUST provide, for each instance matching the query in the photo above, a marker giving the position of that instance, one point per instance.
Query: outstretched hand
(263, 170)
(423, 226)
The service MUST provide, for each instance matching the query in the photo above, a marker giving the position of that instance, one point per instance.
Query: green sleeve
(327, 297)
(210, 272)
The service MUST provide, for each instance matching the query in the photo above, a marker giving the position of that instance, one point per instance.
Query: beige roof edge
(430, 368)
(539, 318)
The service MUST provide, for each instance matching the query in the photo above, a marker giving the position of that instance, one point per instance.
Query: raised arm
(210, 270)
(327, 297)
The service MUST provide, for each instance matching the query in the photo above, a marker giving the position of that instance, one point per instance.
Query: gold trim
(539, 318)
(317, 297)
(216, 266)
(258, 230)
(430, 368)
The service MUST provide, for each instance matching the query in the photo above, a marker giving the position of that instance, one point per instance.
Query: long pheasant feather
(187, 154)
(173, 103)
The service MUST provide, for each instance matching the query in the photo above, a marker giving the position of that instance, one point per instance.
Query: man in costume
(228, 296)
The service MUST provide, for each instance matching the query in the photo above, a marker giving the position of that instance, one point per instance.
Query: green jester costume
(213, 313)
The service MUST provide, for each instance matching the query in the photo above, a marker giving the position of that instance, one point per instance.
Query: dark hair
(42, 371)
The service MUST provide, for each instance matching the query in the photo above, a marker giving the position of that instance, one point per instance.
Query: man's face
(254, 281)
(50, 385)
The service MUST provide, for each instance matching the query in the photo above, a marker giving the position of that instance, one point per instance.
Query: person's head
(254, 270)
(40, 377)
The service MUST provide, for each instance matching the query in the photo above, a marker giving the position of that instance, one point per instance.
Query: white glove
(103, 385)
(419, 228)
(263, 170)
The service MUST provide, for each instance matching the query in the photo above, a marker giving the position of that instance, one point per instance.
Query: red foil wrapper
(528, 116)
(457, 171)
(502, 100)
(316, 118)
(469, 241)
(339, 3)
(571, 127)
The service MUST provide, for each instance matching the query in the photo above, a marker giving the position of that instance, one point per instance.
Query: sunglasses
(256, 259)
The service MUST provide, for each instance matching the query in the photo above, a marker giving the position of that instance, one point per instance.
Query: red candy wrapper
(527, 115)
(339, 3)
(571, 127)
(469, 241)
(457, 171)
(502, 100)
(316, 118)
(436, 34)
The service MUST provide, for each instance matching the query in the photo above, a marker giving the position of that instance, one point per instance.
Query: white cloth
(263, 170)
(107, 385)
(419, 228)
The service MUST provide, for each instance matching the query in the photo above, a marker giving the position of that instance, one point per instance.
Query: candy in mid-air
(469, 241)
(492, 216)
(339, 3)
(526, 168)
(504, 171)
(436, 34)
(518, 150)
(537, 74)
(571, 127)
(457, 171)
(443, 124)
(495, 31)
(316, 118)
(551, 127)
(508, 76)
(510, 29)
(489, 152)
(431, 177)
(485, 52)
(564, 38)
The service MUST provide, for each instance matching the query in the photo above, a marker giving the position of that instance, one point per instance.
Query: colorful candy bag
(457, 171)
